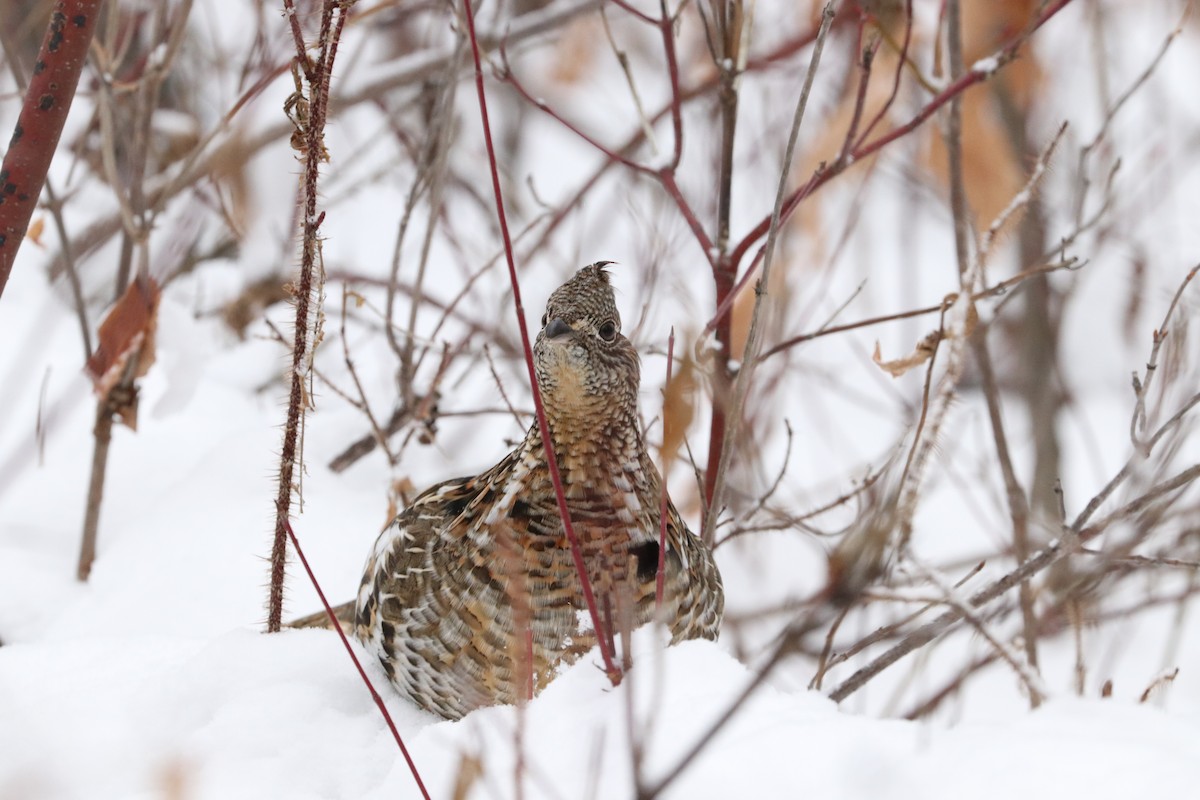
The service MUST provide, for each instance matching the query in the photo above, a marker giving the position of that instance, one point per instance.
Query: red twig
(337, 626)
(662, 507)
(684, 95)
(39, 126)
(644, 17)
(543, 426)
(666, 26)
(826, 172)
(665, 176)
(901, 62)
(867, 59)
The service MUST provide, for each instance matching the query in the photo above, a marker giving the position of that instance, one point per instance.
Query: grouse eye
(544, 318)
(608, 331)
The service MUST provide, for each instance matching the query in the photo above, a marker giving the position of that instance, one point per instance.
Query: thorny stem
(614, 674)
(316, 74)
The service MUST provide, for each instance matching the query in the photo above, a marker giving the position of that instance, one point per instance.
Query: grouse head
(585, 365)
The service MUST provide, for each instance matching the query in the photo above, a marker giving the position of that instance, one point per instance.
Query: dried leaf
(248, 307)
(1158, 683)
(679, 407)
(229, 171)
(34, 234)
(126, 348)
(576, 51)
(470, 770)
(924, 350)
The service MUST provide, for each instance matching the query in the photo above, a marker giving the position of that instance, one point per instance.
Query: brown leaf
(126, 348)
(679, 407)
(34, 234)
(248, 307)
(1159, 682)
(576, 51)
(924, 350)
(228, 171)
(470, 770)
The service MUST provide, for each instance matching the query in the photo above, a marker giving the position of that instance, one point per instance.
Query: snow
(153, 679)
(246, 715)
(986, 66)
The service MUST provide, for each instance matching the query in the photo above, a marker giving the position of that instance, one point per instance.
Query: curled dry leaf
(923, 352)
(126, 348)
(1158, 683)
(928, 346)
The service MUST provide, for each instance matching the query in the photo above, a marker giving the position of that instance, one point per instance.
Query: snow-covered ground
(244, 715)
(153, 679)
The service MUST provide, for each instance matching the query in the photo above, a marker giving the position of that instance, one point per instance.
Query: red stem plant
(725, 259)
(39, 126)
(362, 673)
(603, 637)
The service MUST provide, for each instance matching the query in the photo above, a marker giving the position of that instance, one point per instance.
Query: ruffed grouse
(471, 596)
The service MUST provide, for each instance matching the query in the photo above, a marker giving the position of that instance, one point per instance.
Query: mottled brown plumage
(471, 597)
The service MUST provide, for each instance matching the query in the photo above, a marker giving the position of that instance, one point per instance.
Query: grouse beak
(556, 329)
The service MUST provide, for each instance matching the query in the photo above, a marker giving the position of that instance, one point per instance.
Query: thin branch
(336, 624)
(1056, 551)
(564, 512)
(44, 112)
(662, 508)
(1018, 504)
(753, 340)
(1026, 671)
(1141, 387)
(1000, 289)
(979, 72)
